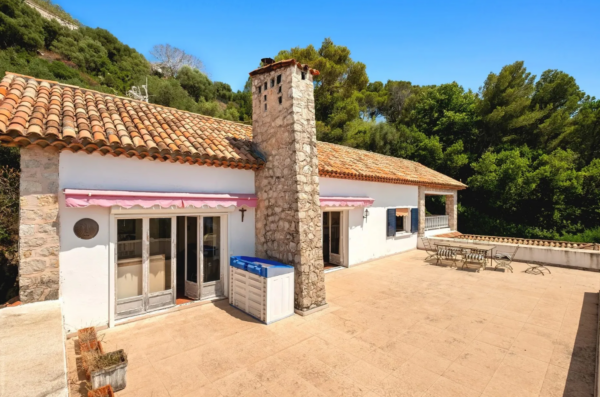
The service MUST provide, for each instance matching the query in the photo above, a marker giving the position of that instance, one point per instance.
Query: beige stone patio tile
(482, 357)
(447, 388)
(379, 336)
(467, 326)
(342, 386)
(500, 388)
(544, 323)
(534, 346)
(239, 383)
(430, 361)
(155, 390)
(179, 374)
(213, 362)
(540, 331)
(467, 377)
(420, 334)
(139, 377)
(522, 371)
(269, 370)
(494, 339)
(382, 360)
(440, 319)
(447, 345)
(292, 385)
(408, 380)
(399, 349)
(512, 315)
(205, 391)
(365, 374)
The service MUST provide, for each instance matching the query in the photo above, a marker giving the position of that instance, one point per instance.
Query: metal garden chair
(447, 253)
(475, 256)
(537, 268)
(429, 248)
(504, 259)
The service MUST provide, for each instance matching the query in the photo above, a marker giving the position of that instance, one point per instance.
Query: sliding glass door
(145, 265)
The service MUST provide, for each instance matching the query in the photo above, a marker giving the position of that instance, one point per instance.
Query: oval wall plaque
(86, 228)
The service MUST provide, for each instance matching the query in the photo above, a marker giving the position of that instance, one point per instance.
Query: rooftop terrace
(395, 327)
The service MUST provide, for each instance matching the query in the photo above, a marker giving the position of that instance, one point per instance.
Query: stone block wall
(452, 210)
(39, 225)
(288, 214)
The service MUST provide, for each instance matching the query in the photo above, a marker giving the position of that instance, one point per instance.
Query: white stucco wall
(367, 239)
(84, 264)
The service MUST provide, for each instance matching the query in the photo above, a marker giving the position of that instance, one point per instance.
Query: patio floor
(395, 327)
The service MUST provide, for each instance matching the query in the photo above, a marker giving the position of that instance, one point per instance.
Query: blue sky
(425, 42)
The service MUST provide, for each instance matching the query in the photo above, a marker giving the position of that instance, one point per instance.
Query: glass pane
(192, 249)
(399, 223)
(129, 258)
(335, 232)
(159, 274)
(212, 251)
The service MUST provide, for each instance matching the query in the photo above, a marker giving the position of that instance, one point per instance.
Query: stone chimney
(288, 215)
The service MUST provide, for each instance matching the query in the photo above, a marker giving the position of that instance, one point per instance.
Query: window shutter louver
(414, 220)
(391, 222)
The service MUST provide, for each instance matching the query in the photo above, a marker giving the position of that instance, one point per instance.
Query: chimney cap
(267, 61)
(269, 67)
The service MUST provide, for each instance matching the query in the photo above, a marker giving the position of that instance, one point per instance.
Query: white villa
(130, 208)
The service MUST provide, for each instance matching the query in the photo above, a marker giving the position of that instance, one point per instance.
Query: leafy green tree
(560, 96)
(196, 83)
(20, 26)
(223, 91)
(584, 135)
(505, 109)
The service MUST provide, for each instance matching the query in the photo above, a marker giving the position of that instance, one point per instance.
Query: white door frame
(136, 213)
(344, 229)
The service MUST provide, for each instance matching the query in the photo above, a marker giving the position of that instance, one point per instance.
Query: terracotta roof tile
(34, 111)
(336, 161)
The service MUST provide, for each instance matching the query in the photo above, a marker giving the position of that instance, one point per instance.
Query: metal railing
(436, 222)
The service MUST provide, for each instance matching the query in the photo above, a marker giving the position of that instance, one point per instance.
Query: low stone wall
(567, 257)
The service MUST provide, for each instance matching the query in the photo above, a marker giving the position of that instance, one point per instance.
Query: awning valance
(79, 198)
(346, 201)
(401, 211)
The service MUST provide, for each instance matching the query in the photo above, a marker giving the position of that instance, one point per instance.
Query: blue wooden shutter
(414, 220)
(391, 222)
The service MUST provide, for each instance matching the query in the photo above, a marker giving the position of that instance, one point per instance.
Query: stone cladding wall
(39, 225)
(288, 214)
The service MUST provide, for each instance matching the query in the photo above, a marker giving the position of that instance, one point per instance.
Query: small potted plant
(108, 369)
(104, 391)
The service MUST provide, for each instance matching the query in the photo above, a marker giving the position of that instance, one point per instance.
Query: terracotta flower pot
(93, 345)
(104, 391)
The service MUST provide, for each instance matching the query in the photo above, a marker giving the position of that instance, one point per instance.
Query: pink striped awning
(79, 198)
(346, 201)
(107, 198)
